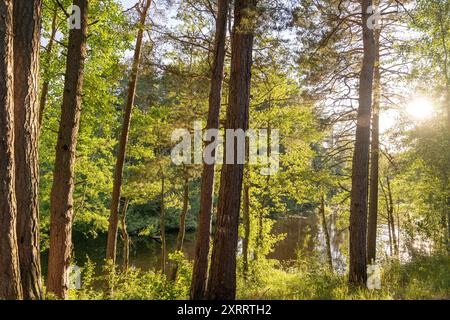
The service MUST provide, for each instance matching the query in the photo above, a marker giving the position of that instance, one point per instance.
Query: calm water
(303, 235)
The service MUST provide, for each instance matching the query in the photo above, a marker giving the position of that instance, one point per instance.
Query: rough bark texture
(325, 231)
(246, 222)
(200, 269)
(48, 54)
(358, 207)
(374, 158)
(125, 237)
(10, 284)
(118, 174)
(222, 276)
(61, 201)
(26, 113)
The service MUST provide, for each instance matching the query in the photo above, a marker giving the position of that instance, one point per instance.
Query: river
(303, 235)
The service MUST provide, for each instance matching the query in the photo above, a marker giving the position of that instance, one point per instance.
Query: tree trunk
(246, 222)
(388, 217)
(200, 269)
(391, 215)
(162, 226)
(48, 54)
(10, 284)
(375, 154)
(61, 202)
(360, 167)
(325, 231)
(26, 113)
(182, 224)
(222, 276)
(118, 173)
(125, 237)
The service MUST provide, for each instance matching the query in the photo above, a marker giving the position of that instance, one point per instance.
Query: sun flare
(420, 108)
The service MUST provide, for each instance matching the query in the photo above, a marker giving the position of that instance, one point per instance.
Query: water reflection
(304, 235)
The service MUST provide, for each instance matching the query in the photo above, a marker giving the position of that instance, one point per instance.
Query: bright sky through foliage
(420, 108)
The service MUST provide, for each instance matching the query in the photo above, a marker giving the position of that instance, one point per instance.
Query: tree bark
(325, 231)
(182, 223)
(360, 167)
(125, 237)
(200, 269)
(388, 218)
(26, 113)
(61, 202)
(246, 222)
(374, 161)
(10, 283)
(118, 174)
(222, 276)
(48, 54)
(391, 214)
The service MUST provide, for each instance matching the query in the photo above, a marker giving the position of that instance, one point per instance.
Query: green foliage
(307, 96)
(134, 284)
(424, 278)
(108, 39)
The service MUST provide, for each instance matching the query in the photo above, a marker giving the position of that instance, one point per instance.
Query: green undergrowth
(309, 279)
(424, 278)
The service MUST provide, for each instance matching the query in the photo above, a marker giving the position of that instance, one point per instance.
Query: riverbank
(424, 278)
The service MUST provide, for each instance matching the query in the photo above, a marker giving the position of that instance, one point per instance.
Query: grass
(424, 278)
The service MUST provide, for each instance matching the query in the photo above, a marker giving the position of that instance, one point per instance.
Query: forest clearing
(225, 150)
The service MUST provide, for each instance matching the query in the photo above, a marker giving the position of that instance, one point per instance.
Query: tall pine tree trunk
(26, 114)
(391, 215)
(61, 201)
(388, 217)
(48, 54)
(325, 231)
(246, 222)
(374, 160)
(125, 237)
(200, 269)
(118, 174)
(360, 166)
(10, 284)
(222, 276)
